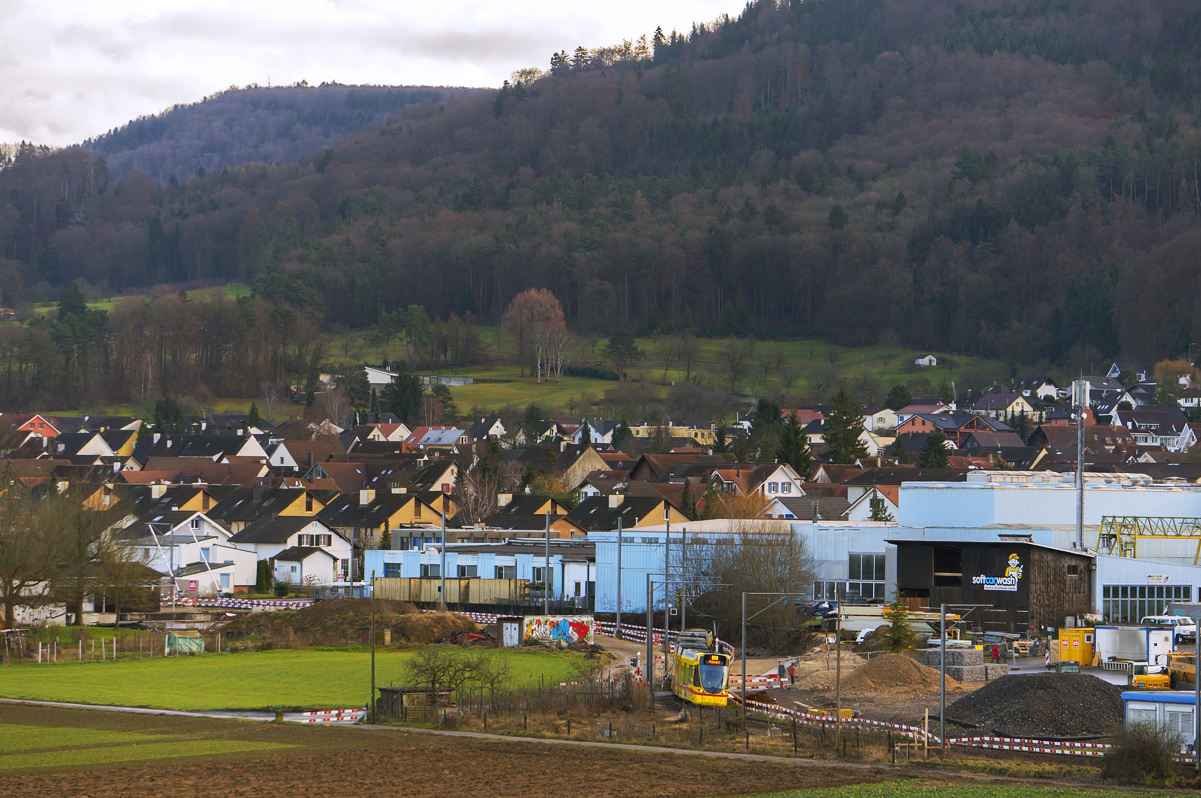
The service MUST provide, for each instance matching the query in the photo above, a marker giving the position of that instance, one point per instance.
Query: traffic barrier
(333, 716)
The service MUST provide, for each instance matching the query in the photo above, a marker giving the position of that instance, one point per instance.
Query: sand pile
(894, 673)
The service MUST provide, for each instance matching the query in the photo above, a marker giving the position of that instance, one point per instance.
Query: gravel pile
(1043, 706)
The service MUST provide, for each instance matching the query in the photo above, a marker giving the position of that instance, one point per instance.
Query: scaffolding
(1119, 534)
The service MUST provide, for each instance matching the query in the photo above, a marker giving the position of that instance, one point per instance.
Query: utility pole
(617, 632)
(650, 640)
(442, 555)
(1080, 400)
(837, 674)
(371, 698)
(666, 577)
(942, 678)
(546, 569)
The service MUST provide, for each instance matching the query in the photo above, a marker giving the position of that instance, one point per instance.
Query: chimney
(258, 493)
(156, 491)
(366, 496)
(503, 499)
(615, 500)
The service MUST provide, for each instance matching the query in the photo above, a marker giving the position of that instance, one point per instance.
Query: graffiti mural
(559, 628)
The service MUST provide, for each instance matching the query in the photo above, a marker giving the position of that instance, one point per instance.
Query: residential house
(573, 462)
(955, 426)
(603, 513)
(1043, 389)
(861, 509)
(306, 565)
(1158, 426)
(1001, 405)
(192, 544)
(242, 507)
(486, 428)
(1129, 367)
(271, 536)
(376, 519)
(926, 360)
(879, 419)
(298, 456)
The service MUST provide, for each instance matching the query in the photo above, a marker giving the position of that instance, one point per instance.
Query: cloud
(73, 69)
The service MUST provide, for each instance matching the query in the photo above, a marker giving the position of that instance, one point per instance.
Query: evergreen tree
(253, 419)
(879, 512)
(688, 502)
(586, 433)
(403, 396)
(794, 448)
(897, 450)
(844, 426)
(898, 635)
(898, 397)
(622, 432)
(934, 453)
(720, 444)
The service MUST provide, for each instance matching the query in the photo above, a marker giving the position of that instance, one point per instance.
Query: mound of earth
(1042, 706)
(339, 622)
(892, 673)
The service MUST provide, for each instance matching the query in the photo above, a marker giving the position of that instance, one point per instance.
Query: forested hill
(268, 125)
(1014, 178)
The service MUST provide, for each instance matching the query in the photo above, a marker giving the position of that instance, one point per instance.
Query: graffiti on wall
(559, 628)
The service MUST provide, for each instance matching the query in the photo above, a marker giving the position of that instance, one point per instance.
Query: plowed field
(96, 753)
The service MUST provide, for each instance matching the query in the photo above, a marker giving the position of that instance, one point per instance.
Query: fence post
(81, 649)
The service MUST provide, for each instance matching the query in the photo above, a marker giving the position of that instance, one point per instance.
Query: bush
(1143, 752)
(282, 589)
(595, 372)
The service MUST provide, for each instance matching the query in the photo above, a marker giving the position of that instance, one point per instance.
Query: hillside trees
(698, 184)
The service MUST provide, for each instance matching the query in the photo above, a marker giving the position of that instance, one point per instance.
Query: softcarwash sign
(1007, 583)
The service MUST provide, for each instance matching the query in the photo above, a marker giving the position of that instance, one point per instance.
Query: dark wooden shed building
(1026, 586)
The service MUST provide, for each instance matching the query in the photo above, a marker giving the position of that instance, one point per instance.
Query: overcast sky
(72, 69)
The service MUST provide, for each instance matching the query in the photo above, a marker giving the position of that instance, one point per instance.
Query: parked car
(1184, 628)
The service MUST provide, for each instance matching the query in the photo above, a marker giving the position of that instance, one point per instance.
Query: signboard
(193, 586)
(1157, 579)
(1008, 582)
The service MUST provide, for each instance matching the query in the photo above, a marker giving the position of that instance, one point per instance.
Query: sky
(73, 69)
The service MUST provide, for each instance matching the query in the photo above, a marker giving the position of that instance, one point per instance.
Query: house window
(195, 523)
(392, 569)
(506, 572)
(224, 581)
(468, 571)
(345, 568)
(308, 503)
(204, 554)
(785, 487)
(549, 579)
(416, 509)
(431, 570)
(773, 487)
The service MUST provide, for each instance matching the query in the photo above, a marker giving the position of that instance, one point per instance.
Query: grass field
(285, 679)
(910, 789)
(25, 747)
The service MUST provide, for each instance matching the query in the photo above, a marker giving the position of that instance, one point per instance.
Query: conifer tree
(934, 453)
(844, 426)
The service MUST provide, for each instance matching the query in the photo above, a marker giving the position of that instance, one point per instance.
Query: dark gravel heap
(1043, 706)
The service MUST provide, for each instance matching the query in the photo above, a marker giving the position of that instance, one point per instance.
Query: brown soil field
(339, 623)
(334, 761)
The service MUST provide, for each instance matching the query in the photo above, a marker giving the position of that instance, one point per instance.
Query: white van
(1184, 628)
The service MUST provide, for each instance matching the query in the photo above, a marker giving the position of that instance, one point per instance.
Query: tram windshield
(711, 674)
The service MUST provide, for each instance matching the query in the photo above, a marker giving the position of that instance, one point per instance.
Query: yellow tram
(701, 677)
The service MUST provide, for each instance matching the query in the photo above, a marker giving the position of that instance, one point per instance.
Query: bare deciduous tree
(753, 557)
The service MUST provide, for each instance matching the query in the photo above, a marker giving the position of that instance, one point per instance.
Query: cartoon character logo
(1015, 567)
